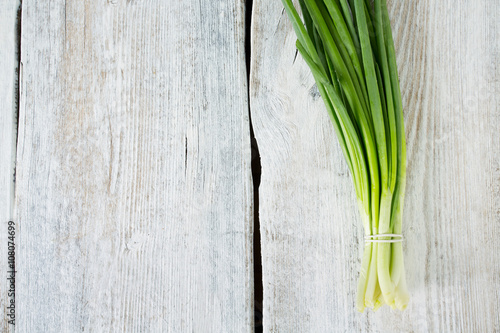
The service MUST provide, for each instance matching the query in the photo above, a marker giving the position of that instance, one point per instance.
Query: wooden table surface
(126, 158)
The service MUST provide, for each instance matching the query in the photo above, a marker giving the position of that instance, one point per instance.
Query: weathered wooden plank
(134, 194)
(8, 119)
(447, 53)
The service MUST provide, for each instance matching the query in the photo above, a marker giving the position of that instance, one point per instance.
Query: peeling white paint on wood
(448, 55)
(134, 195)
(8, 79)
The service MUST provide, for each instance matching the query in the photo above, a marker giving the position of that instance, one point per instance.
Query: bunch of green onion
(349, 48)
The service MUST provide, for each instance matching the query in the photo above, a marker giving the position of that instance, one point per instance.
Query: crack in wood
(256, 175)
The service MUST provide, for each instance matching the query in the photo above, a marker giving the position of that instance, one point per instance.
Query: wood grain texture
(448, 55)
(8, 126)
(134, 194)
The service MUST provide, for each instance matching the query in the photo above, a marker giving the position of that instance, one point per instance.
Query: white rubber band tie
(395, 238)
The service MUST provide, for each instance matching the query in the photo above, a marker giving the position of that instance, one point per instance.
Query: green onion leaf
(349, 49)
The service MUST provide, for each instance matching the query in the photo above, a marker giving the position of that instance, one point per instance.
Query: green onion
(348, 46)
